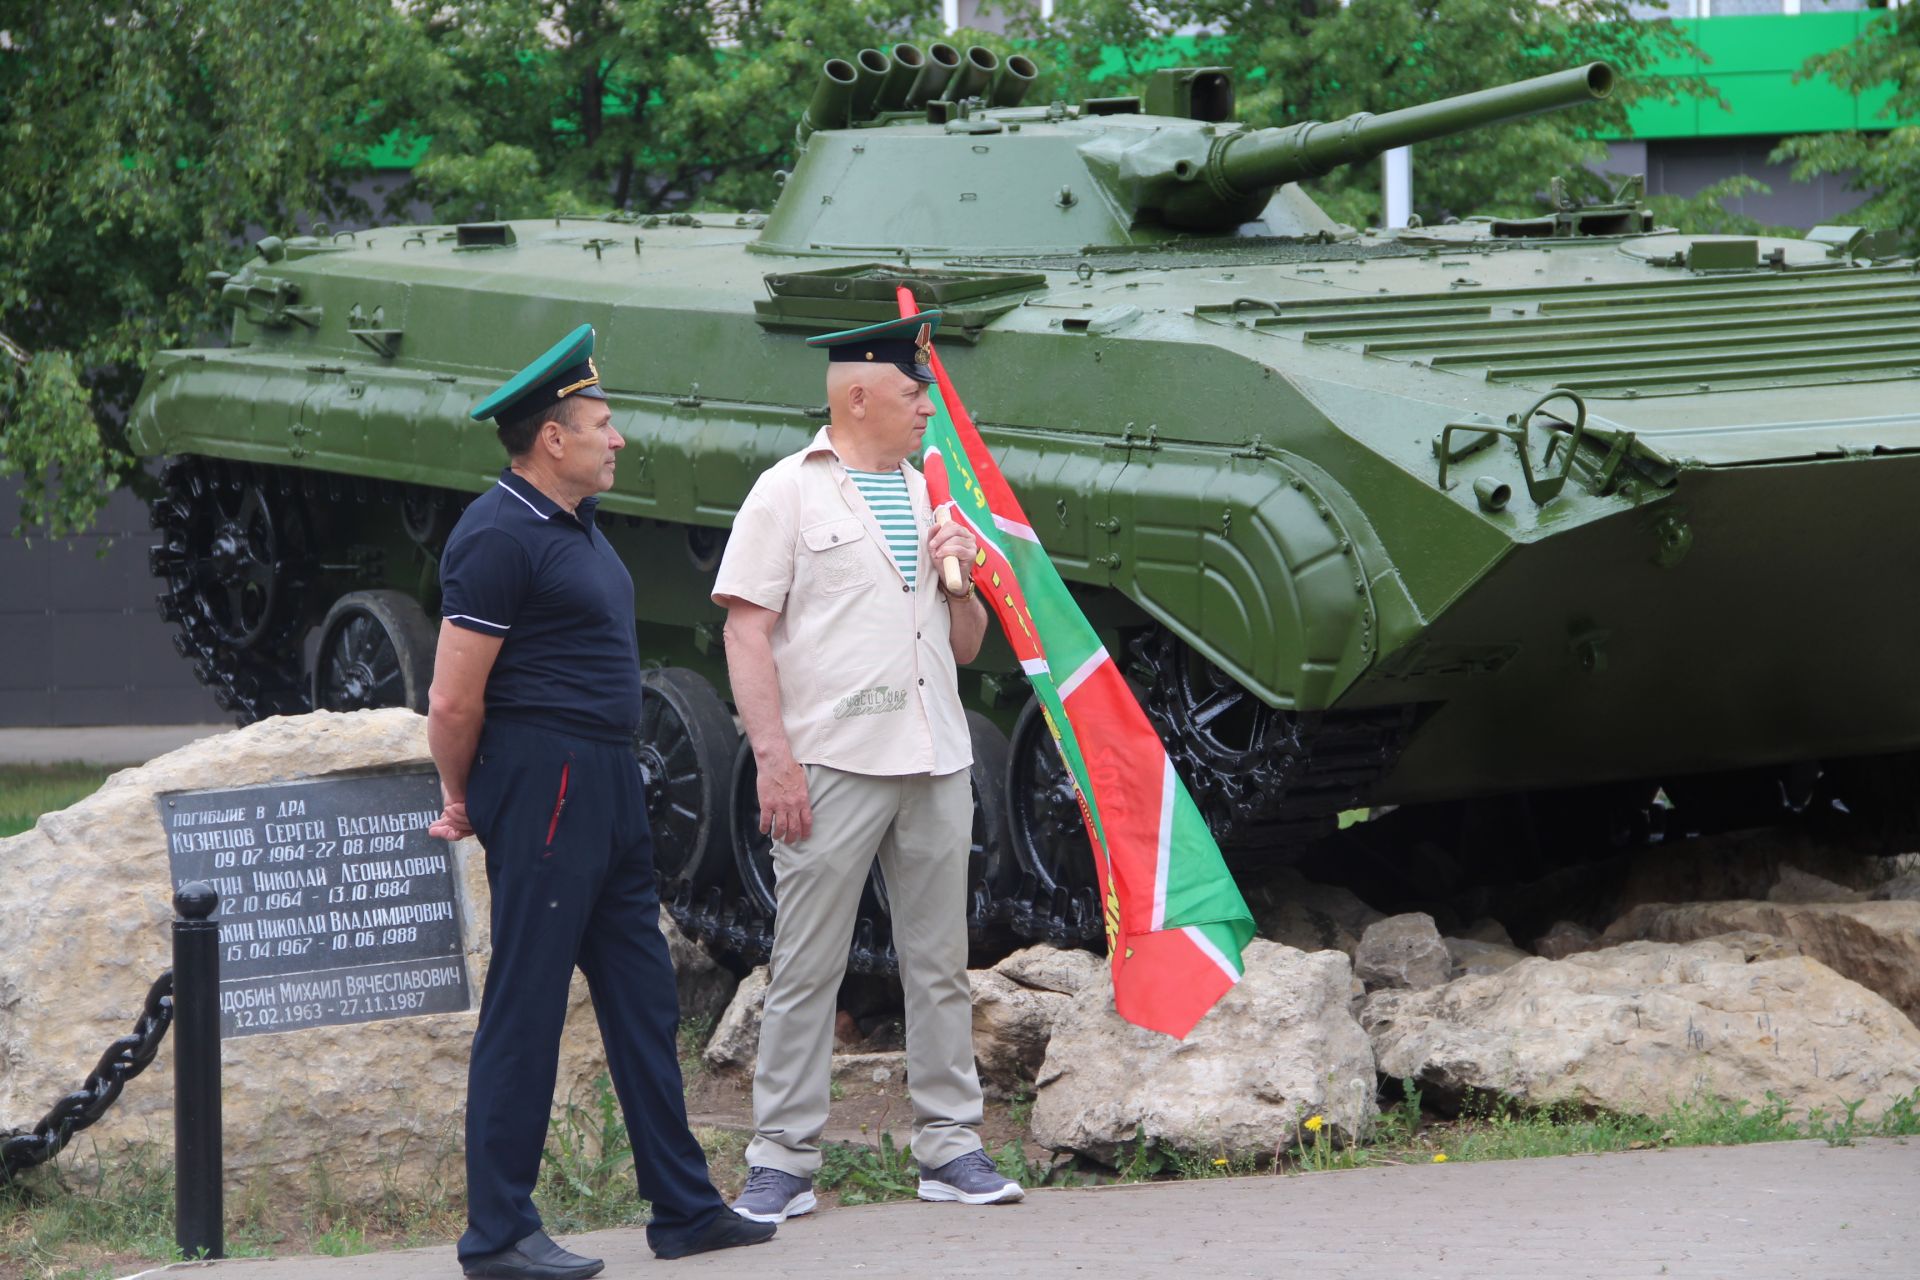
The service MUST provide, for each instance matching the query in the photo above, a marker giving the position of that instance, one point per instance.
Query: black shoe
(727, 1230)
(535, 1258)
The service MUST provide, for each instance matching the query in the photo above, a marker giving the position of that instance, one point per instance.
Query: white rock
(1903, 887)
(1643, 1027)
(1795, 885)
(85, 903)
(1044, 968)
(704, 986)
(1565, 938)
(1296, 912)
(1877, 944)
(1278, 1048)
(736, 1037)
(1473, 959)
(1011, 1027)
(1402, 951)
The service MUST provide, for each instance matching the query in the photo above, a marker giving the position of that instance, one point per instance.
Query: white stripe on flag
(1168, 784)
(1205, 946)
(1014, 527)
(1086, 669)
(1035, 666)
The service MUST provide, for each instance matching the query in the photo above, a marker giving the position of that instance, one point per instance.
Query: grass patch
(29, 790)
(84, 1217)
(868, 1175)
(1496, 1128)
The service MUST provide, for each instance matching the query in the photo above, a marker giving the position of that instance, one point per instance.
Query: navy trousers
(570, 870)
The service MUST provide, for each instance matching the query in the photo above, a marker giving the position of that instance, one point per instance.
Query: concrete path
(108, 745)
(1780, 1211)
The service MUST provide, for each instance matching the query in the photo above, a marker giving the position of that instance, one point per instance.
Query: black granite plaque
(336, 906)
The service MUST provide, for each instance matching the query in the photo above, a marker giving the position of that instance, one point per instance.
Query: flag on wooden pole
(1175, 921)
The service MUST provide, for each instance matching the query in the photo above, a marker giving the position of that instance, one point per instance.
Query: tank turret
(985, 174)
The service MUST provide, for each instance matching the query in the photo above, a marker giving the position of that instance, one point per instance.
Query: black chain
(124, 1059)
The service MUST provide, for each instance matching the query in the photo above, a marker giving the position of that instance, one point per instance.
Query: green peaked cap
(566, 369)
(894, 342)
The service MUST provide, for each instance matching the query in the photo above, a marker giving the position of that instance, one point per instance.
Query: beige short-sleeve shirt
(868, 683)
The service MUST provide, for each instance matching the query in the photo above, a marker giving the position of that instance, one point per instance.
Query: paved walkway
(1779, 1211)
(109, 745)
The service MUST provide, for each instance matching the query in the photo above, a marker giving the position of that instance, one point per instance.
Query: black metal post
(198, 1207)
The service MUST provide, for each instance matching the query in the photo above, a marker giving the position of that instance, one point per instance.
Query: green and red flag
(1175, 921)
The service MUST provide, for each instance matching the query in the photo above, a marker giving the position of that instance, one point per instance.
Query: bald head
(878, 413)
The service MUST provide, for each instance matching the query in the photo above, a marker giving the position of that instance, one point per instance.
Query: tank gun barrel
(1242, 169)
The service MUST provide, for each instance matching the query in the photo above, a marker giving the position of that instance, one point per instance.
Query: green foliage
(586, 1178)
(1884, 164)
(1707, 212)
(1299, 60)
(144, 139)
(868, 1175)
(29, 790)
(1012, 1163)
(642, 104)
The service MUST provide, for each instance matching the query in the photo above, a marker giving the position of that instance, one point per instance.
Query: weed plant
(868, 1175)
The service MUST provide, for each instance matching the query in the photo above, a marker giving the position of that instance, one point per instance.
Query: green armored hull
(1493, 507)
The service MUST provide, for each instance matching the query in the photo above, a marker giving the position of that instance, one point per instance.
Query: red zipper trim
(553, 823)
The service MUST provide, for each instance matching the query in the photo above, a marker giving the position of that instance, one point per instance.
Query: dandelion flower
(1219, 1164)
(1314, 1123)
(1440, 1157)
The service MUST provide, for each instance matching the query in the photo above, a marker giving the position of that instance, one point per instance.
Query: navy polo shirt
(521, 567)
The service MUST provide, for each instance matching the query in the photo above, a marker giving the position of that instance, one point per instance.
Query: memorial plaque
(336, 906)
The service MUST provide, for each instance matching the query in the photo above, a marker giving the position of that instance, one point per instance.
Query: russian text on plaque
(336, 906)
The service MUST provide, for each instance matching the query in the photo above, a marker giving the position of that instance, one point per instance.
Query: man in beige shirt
(842, 648)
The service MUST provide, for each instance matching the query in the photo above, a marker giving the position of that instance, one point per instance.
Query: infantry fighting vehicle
(1566, 505)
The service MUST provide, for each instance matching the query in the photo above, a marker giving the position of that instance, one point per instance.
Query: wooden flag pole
(950, 574)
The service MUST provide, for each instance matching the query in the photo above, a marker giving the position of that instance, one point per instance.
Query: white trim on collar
(544, 515)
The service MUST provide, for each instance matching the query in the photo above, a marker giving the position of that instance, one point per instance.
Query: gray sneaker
(773, 1196)
(969, 1179)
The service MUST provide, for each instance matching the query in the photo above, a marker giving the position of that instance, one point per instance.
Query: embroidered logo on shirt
(876, 701)
(842, 569)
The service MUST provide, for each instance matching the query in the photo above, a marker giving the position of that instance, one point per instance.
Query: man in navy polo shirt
(536, 695)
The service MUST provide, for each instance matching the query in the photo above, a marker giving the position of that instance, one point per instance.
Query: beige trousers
(918, 826)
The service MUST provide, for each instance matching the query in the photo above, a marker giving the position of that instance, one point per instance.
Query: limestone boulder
(1472, 959)
(1280, 1047)
(1296, 912)
(705, 987)
(1011, 1027)
(1795, 885)
(1876, 944)
(1044, 968)
(1403, 951)
(1565, 938)
(1015, 1005)
(1642, 1027)
(1487, 929)
(85, 905)
(1901, 888)
(736, 1036)
(1737, 866)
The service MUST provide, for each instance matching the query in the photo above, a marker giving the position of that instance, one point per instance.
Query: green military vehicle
(1568, 505)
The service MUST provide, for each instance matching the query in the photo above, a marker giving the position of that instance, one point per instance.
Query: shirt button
(905, 588)
(916, 635)
(923, 679)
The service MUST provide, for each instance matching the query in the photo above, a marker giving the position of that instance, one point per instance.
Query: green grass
(85, 1218)
(29, 790)
(1495, 1128)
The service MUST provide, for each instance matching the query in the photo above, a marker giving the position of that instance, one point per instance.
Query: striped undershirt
(887, 498)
